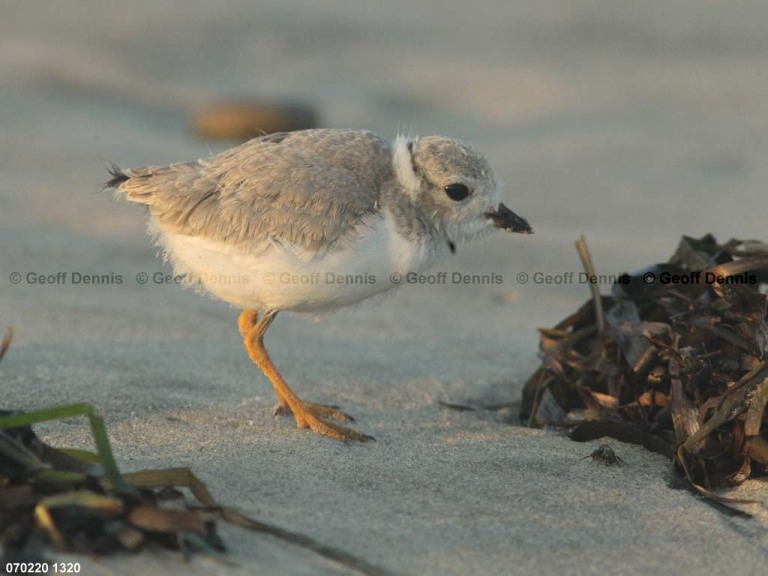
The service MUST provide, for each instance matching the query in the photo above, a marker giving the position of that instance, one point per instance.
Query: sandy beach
(630, 124)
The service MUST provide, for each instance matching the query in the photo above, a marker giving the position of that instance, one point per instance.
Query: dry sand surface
(632, 123)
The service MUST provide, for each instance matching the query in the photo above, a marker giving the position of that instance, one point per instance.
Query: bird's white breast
(289, 278)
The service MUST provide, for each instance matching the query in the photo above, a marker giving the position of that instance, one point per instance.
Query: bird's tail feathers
(118, 177)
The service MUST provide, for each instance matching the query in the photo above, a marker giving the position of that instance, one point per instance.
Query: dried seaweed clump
(674, 358)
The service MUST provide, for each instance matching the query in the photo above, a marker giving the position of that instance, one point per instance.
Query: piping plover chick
(272, 224)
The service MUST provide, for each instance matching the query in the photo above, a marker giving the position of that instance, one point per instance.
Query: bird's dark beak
(507, 220)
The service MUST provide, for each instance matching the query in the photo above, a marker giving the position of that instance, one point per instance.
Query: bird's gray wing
(308, 189)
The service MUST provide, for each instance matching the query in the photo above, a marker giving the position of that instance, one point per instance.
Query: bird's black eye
(457, 192)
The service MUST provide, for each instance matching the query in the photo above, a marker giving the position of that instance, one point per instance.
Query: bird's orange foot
(319, 410)
(333, 430)
(311, 415)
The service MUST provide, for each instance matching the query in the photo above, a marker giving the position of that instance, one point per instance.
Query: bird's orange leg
(246, 321)
(307, 415)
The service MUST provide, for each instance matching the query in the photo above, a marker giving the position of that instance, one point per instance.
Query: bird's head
(454, 186)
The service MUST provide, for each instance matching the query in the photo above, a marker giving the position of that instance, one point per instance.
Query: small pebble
(245, 120)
